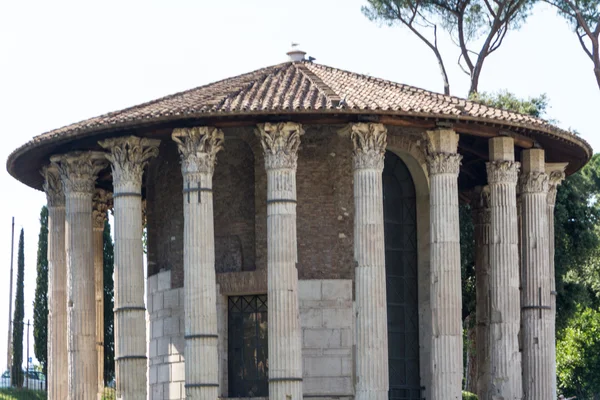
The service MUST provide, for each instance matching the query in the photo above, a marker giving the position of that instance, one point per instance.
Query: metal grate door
(248, 346)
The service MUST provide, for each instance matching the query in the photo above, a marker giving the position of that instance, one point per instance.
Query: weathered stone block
(502, 148)
(309, 290)
(322, 338)
(322, 366)
(337, 318)
(337, 289)
(311, 318)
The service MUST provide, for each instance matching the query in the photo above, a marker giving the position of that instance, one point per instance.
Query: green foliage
(588, 9)
(16, 375)
(577, 238)
(22, 394)
(467, 260)
(109, 336)
(578, 355)
(40, 303)
(469, 396)
(535, 106)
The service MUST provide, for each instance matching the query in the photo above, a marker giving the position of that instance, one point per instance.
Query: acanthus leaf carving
(79, 170)
(280, 142)
(503, 171)
(128, 156)
(533, 182)
(369, 141)
(102, 202)
(198, 148)
(53, 186)
(443, 163)
(555, 178)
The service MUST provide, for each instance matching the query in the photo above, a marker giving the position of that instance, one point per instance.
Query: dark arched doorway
(400, 216)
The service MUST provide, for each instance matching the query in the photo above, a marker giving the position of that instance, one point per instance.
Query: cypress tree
(17, 334)
(40, 304)
(109, 337)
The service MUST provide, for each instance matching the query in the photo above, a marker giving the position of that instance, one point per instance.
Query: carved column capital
(128, 157)
(198, 147)
(53, 186)
(78, 170)
(556, 174)
(480, 204)
(102, 202)
(369, 141)
(503, 171)
(280, 142)
(533, 182)
(443, 163)
(440, 147)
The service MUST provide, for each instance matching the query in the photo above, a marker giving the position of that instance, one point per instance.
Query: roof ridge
(321, 86)
(232, 94)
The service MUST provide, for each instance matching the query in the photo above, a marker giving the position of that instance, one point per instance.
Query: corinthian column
(481, 215)
(505, 375)
(446, 300)
(535, 309)
(100, 201)
(280, 143)
(372, 375)
(198, 148)
(128, 156)
(556, 174)
(57, 276)
(78, 171)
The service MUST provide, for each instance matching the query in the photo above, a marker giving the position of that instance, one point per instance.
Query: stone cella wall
(166, 368)
(327, 337)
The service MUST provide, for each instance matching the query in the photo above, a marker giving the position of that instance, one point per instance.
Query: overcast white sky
(64, 61)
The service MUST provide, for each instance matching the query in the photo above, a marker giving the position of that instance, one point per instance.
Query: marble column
(128, 156)
(280, 142)
(198, 148)
(101, 205)
(372, 375)
(443, 164)
(556, 174)
(57, 293)
(505, 359)
(481, 215)
(535, 280)
(78, 171)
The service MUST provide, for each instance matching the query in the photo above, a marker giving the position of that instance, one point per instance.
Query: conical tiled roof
(302, 88)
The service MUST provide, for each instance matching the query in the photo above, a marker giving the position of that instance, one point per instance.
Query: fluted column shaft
(100, 203)
(198, 148)
(128, 156)
(556, 175)
(280, 143)
(372, 374)
(78, 172)
(535, 280)
(57, 295)
(481, 211)
(446, 294)
(504, 357)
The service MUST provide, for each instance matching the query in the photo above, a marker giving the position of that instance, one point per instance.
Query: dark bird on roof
(311, 59)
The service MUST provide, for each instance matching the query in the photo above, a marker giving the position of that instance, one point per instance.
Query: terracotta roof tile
(302, 87)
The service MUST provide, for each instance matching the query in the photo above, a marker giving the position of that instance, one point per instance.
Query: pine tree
(17, 337)
(40, 304)
(109, 337)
